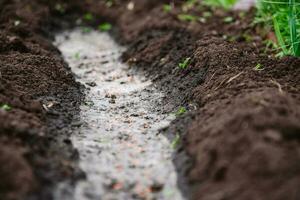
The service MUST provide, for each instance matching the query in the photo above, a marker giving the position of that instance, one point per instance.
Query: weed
(5, 107)
(175, 141)
(88, 17)
(226, 4)
(187, 17)
(281, 17)
(181, 111)
(258, 67)
(185, 63)
(167, 8)
(104, 27)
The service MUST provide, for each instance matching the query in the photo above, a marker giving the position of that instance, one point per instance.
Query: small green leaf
(77, 55)
(88, 17)
(5, 107)
(86, 29)
(167, 8)
(207, 14)
(175, 141)
(59, 8)
(186, 17)
(228, 19)
(185, 63)
(181, 111)
(109, 3)
(105, 27)
(17, 22)
(258, 67)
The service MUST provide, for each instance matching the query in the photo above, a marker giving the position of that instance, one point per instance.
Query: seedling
(167, 8)
(59, 8)
(17, 22)
(77, 55)
(187, 17)
(189, 4)
(5, 107)
(258, 67)
(88, 17)
(109, 3)
(207, 14)
(228, 19)
(86, 29)
(181, 111)
(185, 63)
(226, 4)
(105, 27)
(175, 142)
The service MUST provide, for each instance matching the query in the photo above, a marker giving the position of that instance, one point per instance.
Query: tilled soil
(242, 129)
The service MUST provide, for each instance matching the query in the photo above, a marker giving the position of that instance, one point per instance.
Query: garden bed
(241, 129)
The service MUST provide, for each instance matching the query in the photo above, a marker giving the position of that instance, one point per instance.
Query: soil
(242, 128)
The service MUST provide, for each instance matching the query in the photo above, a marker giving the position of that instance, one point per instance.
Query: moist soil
(241, 131)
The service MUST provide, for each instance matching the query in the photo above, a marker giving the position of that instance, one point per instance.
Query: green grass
(282, 16)
(226, 4)
(185, 63)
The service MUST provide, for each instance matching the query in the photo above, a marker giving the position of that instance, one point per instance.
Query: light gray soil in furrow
(121, 149)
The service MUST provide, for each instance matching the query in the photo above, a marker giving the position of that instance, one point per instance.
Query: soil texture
(241, 129)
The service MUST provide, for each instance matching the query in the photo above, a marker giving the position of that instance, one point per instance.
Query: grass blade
(281, 42)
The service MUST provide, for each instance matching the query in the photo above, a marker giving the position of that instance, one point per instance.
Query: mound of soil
(241, 131)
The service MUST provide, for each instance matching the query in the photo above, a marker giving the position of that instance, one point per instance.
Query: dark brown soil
(242, 129)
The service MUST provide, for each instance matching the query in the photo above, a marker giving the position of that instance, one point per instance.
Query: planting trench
(242, 135)
(121, 148)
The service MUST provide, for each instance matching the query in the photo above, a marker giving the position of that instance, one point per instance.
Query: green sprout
(228, 19)
(181, 111)
(226, 4)
(187, 17)
(88, 17)
(105, 27)
(5, 107)
(17, 22)
(189, 4)
(258, 67)
(207, 14)
(109, 3)
(185, 63)
(58, 7)
(167, 8)
(175, 142)
(77, 55)
(86, 29)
